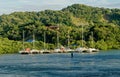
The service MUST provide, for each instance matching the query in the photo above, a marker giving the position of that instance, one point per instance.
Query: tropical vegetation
(100, 28)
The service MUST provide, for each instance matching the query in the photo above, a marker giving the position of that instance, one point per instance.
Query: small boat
(24, 52)
(69, 50)
(45, 51)
(62, 50)
(34, 51)
(90, 50)
(86, 50)
(57, 50)
(82, 50)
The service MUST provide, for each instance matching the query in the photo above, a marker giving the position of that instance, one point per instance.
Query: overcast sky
(8, 6)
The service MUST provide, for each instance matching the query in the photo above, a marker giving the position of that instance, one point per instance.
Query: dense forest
(100, 28)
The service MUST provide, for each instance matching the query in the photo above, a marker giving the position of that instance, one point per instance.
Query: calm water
(103, 64)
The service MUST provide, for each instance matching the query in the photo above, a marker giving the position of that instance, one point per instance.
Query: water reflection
(103, 64)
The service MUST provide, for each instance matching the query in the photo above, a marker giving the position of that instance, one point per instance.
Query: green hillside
(104, 23)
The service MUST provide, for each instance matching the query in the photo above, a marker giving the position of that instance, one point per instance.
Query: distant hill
(103, 22)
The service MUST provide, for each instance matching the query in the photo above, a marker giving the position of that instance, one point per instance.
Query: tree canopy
(103, 22)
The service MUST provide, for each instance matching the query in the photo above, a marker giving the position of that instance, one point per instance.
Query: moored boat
(24, 52)
(82, 50)
(90, 50)
(86, 50)
(34, 51)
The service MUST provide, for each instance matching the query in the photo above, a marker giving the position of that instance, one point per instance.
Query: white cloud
(24, 1)
(45, 4)
(112, 5)
(91, 2)
(7, 6)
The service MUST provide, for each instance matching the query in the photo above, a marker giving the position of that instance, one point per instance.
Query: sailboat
(58, 49)
(34, 51)
(86, 50)
(24, 51)
(90, 50)
(68, 47)
(82, 49)
(45, 51)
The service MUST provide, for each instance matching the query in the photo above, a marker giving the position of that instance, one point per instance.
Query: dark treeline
(101, 26)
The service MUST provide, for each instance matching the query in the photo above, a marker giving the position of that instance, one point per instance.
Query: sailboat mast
(33, 40)
(44, 39)
(68, 39)
(58, 37)
(57, 40)
(92, 38)
(23, 40)
(82, 35)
